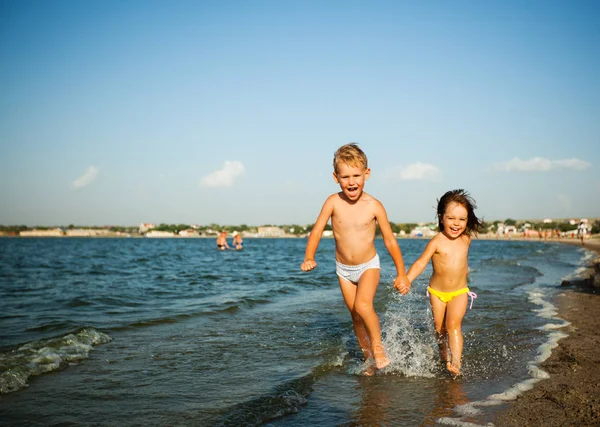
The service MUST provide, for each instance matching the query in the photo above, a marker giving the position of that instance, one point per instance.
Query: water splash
(408, 336)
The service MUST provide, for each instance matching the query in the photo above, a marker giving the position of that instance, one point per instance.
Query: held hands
(308, 265)
(402, 284)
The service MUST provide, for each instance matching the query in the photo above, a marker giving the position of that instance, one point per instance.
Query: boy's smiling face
(351, 180)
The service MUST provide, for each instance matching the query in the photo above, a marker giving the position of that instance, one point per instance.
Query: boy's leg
(455, 311)
(349, 291)
(438, 309)
(367, 286)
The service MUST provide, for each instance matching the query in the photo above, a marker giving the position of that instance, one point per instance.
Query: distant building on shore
(145, 226)
(271, 232)
(423, 230)
(189, 233)
(52, 232)
(87, 232)
(158, 233)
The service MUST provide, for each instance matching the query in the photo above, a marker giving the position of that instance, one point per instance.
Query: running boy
(354, 215)
(449, 252)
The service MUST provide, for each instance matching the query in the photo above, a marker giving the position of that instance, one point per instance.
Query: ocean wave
(210, 309)
(55, 326)
(47, 355)
(286, 399)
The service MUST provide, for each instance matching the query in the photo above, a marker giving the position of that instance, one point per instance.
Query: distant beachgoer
(582, 231)
(237, 242)
(448, 291)
(222, 241)
(354, 216)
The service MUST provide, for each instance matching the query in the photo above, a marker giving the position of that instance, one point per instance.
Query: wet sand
(571, 396)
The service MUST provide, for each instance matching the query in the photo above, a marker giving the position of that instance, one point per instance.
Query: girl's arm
(315, 235)
(419, 265)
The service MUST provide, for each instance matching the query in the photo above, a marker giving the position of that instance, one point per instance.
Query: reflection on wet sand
(375, 403)
(390, 400)
(450, 395)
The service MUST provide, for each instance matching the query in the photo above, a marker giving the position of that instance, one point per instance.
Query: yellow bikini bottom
(446, 297)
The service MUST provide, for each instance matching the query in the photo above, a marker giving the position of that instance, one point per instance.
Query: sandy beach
(571, 396)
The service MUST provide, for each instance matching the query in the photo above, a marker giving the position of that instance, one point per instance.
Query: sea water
(124, 332)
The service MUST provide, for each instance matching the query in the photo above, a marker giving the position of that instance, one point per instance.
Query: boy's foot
(452, 369)
(368, 368)
(381, 359)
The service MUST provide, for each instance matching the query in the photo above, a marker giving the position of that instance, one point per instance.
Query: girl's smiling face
(351, 180)
(454, 220)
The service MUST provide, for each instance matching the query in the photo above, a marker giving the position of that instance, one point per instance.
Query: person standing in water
(448, 291)
(237, 241)
(354, 216)
(222, 241)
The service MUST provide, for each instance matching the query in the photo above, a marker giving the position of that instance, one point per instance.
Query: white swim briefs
(352, 273)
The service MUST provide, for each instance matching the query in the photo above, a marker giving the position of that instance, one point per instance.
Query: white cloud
(86, 179)
(565, 201)
(225, 176)
(415, 172)
(540, 164)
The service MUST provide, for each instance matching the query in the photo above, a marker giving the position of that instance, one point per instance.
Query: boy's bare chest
(352, 218)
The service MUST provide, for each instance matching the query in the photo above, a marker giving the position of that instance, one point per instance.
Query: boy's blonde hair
(351, 155)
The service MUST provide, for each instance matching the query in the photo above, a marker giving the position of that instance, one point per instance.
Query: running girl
(448, 291)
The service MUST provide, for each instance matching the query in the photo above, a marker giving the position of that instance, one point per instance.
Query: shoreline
(571, 396)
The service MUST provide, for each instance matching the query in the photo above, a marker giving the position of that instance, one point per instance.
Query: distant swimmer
(354, 217)
(237, 242)
(222, 241)
(448, 291)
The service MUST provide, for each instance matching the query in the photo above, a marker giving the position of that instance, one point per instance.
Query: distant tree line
(296, 229)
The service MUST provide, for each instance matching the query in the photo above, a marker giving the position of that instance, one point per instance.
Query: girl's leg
(439, 322)
(367, 286)
(349, 291)
(455, 311)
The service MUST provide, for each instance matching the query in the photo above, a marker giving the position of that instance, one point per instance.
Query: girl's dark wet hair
(474, 224)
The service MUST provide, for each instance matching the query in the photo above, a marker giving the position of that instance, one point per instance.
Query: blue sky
(227, 112)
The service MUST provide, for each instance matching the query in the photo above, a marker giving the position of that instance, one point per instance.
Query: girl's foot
(453, 369)
(381, 359)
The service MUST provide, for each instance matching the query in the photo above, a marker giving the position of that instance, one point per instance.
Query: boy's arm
(419, 265)
(315, 235)
(401, 281)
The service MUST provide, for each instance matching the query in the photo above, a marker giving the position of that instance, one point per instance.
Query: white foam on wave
(545, 350)
(588, 255)
(39, 357)
(538, 373)
(456, 422)
(579, 271)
